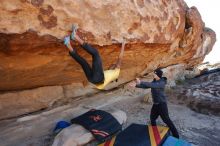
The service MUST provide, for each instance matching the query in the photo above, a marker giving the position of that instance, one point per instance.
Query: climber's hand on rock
(138, 81)
(123, 42)
(132, 84)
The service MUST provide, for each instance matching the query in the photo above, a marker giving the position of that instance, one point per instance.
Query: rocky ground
(197, 128)
(201, 94)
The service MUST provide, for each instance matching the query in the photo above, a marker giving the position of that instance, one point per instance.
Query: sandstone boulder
(17, 103)
(32, 55)
(158, 34)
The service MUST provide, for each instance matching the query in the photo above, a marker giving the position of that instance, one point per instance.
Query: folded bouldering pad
(100, 123)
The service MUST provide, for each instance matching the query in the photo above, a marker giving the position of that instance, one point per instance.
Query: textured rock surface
(158, 34)
(202, 94)
(154, 29)
(18, 103)
(101, 21)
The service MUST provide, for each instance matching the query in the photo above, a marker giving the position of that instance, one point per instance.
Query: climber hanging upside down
(94, 74)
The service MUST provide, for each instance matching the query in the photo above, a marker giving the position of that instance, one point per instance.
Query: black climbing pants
(95, 74)
(162, 111)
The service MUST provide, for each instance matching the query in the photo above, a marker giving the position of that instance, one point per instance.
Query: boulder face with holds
(32, 54)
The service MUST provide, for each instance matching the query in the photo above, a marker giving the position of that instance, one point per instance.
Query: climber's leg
(85, 66)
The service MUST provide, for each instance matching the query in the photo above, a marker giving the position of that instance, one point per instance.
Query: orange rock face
(101, 21)
(158, 34)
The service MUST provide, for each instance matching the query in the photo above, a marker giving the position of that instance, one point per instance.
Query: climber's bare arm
(119, 60)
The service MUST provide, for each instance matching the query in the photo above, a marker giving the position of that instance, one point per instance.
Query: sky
(210, 12)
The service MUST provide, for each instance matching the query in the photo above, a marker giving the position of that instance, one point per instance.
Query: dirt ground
(35, 130)
(198, 129)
